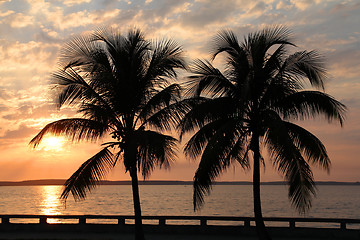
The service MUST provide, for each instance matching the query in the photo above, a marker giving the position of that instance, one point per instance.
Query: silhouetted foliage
(250, 105)
(120, 85)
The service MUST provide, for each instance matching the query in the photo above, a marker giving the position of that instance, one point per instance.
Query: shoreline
(55, 182)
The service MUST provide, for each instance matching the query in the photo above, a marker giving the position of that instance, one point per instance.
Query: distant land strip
(48, 182)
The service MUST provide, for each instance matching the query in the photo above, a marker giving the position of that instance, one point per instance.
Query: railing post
(203, 222)
(121, 221)
(5, 220)
(43, 220)
(343, 225)
(162, 221)
(247, 223)
(292, 224)
(82, 220)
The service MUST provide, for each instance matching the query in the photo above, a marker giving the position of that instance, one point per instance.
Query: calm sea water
(331, 201)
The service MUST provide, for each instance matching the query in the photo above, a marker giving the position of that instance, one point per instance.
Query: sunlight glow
(50, 204)
(53, 144)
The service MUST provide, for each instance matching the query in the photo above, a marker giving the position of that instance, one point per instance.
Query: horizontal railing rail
(162, 220)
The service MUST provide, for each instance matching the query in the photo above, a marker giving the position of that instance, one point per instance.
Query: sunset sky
(32, 33)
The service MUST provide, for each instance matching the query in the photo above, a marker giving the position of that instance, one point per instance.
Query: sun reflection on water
(51, 204)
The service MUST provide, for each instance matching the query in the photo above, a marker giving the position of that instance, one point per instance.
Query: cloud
(26, 65)
(19, 20)
(7, 13)
(3, 108)
(29, 110)
(345, 8)
(303, 4)
(55, 18)
(4, 94)
(22, 132)
(85, 18)
(259, 8)
(47, 36)
(26, 55)
(206, 13)
(70, 3)
(284, 5)
(346, 62)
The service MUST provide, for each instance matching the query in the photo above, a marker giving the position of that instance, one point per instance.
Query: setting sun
(53, 143)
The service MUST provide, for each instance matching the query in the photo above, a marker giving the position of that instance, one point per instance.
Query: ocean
(332, 201)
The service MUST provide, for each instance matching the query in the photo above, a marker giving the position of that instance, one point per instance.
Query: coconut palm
(250, 106)
(121, 86)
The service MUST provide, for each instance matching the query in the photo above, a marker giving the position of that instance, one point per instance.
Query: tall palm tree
(249, 107)
(121, 87)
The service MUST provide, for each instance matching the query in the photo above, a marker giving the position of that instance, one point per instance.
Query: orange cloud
(20, 20)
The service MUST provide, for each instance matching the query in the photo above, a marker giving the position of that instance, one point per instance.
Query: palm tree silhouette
(121, 86)
(249, 105)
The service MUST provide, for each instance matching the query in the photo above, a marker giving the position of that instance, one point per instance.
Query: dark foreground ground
(169, 232)
(150, 236)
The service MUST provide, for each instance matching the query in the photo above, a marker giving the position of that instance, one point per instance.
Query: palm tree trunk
(139, 232)
(260, 226)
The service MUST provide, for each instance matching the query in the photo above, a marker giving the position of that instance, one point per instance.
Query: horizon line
(47, 182)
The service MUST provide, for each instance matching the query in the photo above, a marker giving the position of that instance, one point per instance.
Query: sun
(53, 144)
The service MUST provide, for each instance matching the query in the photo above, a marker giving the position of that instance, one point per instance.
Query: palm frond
(74, 89)
(240, 152)
(306, 104)
(205, 111)
(215, 159)
(120, 48)
(74, 128)
(170, 116)
(260, 42)
(307, 65)
(72, 86)
(207, 80)
(154, 149)
(163, 61)
(289, 161)
(89, 174)
(274, 62)
(99, 113)
(166, 57)
(278, 35)
(301, 184)
(275, 93)
(129, 57)
(237, 65)
(226, 41)
(79, 52)
(162, 99)
(194, 146)
(309, 145)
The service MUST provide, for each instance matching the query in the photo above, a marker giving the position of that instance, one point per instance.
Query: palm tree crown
(250, 105)
(120, 85)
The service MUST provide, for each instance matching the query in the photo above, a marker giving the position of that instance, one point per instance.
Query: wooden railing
(162, 220)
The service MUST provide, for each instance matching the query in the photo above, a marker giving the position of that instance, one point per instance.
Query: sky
(32, 33)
